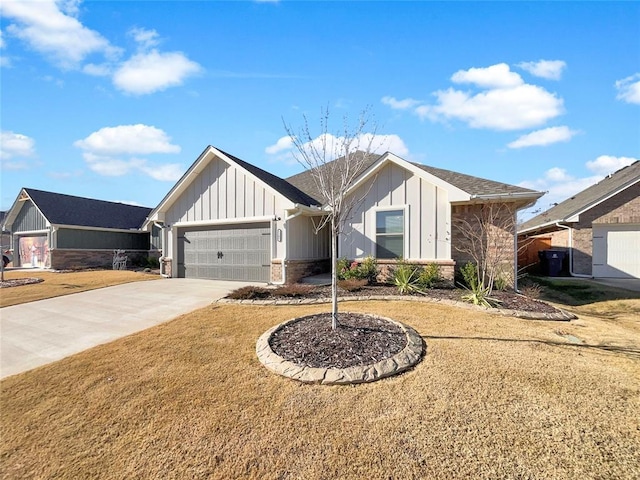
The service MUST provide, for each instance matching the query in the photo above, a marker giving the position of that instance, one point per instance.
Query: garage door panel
(232, 253)
(616, 251)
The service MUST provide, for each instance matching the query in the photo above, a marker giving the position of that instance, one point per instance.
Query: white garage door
(225, 253)
(616, 251)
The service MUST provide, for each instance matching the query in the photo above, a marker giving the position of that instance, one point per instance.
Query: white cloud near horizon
(501, 101)
(549, 69)
(103, 151)
(284, 150)
(561, 185)
(629, 89)
(544, 137)
(15, 150)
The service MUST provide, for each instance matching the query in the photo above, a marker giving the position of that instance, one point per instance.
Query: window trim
(405, 228)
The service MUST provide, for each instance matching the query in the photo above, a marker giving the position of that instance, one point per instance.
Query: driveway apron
(37, 333)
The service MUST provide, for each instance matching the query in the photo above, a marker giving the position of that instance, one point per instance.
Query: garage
(616, 251)
(241, 252)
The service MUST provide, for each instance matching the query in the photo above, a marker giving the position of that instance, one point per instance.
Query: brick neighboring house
(599, 227)
(53, 230)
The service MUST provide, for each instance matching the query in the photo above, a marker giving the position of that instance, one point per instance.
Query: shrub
(429, 276)
(367, 269)
(153, 262)
(249, 293)
(293, 290)
(343, 268)
(478, 293)
(352, 284)
(406, 277)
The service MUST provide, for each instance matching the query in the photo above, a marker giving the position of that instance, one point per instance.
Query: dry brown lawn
(494, 397)
(56, 284)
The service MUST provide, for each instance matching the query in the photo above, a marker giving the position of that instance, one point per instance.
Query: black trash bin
(551, 262)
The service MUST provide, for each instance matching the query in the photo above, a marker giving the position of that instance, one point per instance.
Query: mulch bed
(508, 300)
(358, 340)
(19, 282)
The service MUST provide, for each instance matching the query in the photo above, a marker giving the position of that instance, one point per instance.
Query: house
(598, 228)
(59, 231)
(227, 219)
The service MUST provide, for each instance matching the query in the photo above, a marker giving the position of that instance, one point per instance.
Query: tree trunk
(334, 275)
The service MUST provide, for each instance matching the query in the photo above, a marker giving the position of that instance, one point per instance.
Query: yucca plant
(407, 278)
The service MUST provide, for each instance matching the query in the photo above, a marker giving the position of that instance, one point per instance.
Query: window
(390, 234)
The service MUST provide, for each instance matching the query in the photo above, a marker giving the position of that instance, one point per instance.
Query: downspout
(571, 272)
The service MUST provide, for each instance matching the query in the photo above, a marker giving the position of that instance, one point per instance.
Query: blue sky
(115, 100)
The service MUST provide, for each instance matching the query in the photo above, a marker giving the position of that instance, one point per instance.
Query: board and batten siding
(29, 219)
(427, 226)
(222, 191)
(304, 243)
(81, 239)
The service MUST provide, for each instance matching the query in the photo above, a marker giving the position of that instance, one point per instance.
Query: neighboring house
(59, 231)
(599, 228)
(227, 219)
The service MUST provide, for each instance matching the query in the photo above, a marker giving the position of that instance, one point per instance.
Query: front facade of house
(51, 230)
(598, 228)
(227, 219)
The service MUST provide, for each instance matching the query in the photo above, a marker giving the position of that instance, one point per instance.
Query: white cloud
(146, 39)
(499, 100)
(561, 185)
(544, 137)
(283, 144)
(169, 172)
(549, 69)
(606, 164)
(130, 139)
(495, 76)
(629, 89)
(524, 106)
(111, 151)
(284, 151)
(396, 104)
(52, 29)
(154, 71)
(16, 145)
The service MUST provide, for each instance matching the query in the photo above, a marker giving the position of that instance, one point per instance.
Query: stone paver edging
(407, 358)
(562, 315)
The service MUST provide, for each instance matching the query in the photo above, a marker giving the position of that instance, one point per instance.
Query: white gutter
(571, 272)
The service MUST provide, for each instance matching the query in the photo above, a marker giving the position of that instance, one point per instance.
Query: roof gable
(463, 187)
(276, 184)
(571, 208)
(61, 209)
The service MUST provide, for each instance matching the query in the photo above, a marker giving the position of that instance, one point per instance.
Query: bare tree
(334, 161)
(487, 240)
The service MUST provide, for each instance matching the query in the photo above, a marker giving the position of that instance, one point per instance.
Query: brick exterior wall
(385, 269)
(297, 269)
(77, 259)
(501, 233)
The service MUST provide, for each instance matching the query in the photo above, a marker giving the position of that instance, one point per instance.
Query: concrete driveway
(37, 333)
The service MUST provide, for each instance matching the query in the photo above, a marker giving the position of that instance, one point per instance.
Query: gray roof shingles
(61, 209)
(467, 183)
(287, 189)
(586, 198)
